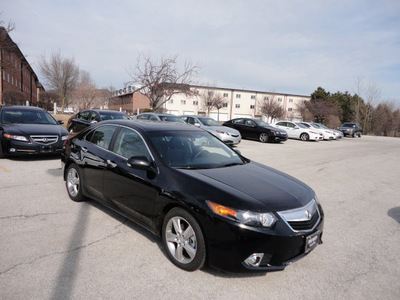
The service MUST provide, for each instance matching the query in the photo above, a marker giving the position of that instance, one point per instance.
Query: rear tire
(263, 137)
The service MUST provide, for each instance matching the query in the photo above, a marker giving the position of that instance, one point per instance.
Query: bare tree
(271, 108)
(210, 99)
(161, 80)
(321, 109)
(84, 95)
(219, 102)
(357, 104)
(47, 100)
(6, 45)
(372, 96)
(61, 74)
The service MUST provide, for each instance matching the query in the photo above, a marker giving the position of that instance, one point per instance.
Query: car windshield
(27, 117)
(113, 116)
(172, 119)
(322, 126)
(193, 150)
(209, 122)
(315, 126)
(349, 125)
(301, 125)
(261, 123)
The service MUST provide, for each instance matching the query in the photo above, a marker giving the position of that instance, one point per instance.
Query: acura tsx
(208, 203)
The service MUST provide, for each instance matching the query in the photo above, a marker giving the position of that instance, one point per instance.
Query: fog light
(12, 150)
(254, 260)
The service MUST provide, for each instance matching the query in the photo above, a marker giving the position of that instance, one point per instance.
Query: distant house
(19, 83)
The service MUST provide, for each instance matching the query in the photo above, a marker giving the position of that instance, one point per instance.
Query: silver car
(227, 135)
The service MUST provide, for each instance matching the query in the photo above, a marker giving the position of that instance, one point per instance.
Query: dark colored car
(85, 118)
(210, 204)
(257, 129)
(351, 128)
(29, 130)
(159, 117)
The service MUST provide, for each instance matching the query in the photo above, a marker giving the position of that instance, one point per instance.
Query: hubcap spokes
(73, 182)
(181, 240)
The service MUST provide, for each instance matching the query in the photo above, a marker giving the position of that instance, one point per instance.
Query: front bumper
(230, 139)
(16, 148)
(280, 138)
(229, 245)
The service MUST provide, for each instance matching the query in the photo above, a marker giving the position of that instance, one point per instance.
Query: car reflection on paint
(210, 205)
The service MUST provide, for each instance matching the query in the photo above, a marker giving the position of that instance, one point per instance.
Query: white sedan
(299, 131)
(328, 134)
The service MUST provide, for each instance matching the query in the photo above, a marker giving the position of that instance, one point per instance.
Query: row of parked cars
(23, 131)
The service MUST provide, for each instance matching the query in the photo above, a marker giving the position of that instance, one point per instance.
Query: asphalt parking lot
(53, 248)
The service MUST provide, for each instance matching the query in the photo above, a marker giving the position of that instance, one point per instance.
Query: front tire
(263, 137)
(73, 183)
(183, 240)
(304, 137)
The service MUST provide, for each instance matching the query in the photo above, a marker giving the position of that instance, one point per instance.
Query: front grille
(45, 139)
(304, 225)
(302, 219)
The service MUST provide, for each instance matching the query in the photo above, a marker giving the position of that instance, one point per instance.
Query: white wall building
(238, 103)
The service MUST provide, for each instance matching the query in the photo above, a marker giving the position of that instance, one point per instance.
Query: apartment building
(18, 80)
(237, 103)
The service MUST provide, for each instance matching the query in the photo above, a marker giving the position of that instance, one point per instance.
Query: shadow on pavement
(394, 213)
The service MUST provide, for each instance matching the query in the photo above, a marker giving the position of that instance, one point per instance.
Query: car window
(190, 120)
(238, 121)
(153, 118)
(94, 117)
(249, 123)
(142, 117)
(84, 115)
(101, 136)
(290, 125)
(281, 123)
(129, 143)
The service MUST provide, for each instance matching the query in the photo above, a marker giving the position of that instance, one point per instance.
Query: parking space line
(4, 169)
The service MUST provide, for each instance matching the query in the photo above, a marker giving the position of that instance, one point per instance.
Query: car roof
(104, 111)
(144, 125)
(21, 107)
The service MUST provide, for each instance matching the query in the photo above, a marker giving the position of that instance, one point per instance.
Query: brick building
(125, 100)
(18, 80)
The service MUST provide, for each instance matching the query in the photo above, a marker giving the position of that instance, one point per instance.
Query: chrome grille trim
(45, 139)
(303, 219)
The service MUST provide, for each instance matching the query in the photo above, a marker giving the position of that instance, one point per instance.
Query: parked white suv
(299, 131)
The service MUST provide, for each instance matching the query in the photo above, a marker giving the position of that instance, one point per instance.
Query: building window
(195, 102)
(226, 95)
(171, 101)
(266, 98)
(290, 109)
(238, 96)
(4, 75)
(253, 97)
(279, 99)
(183, 102)
(290, 100)
(8, 77)
(237, 106)
(251, 106)
(225, 105)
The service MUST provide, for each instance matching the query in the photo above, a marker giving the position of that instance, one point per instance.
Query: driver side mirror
(60, 122)
(141, 163)
(296, 127)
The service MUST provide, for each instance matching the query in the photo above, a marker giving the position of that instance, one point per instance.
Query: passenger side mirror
(197, 124)
(296, 127)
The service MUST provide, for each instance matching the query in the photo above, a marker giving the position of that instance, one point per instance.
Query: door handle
(111, 163)
(84, 149)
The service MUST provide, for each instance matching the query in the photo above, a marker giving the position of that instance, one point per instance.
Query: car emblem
(45, 140)
(308, 215)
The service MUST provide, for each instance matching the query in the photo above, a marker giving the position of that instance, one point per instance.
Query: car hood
(32, 129)
(254, 187)
(222, 128)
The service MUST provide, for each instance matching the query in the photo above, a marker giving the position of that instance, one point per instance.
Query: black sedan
(257, 129)
(210, 204)
(29, 130)
(85, 118)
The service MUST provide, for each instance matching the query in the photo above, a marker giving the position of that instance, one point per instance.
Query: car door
(238, 124)
(292, 131)
(250, 129)
(130, 190)
(92, 151)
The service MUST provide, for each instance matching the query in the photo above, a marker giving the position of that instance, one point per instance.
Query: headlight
(16, 137)
(222, 132)
(64, 137)
(244, 217)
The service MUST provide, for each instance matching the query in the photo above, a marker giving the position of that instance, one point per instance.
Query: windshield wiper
(231, 164)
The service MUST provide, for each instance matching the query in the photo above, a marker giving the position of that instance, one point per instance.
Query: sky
(269, 45)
